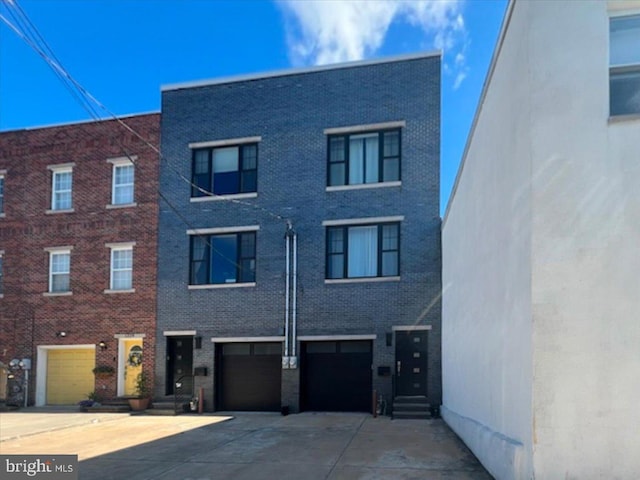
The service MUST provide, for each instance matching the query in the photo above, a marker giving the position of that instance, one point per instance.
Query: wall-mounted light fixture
(102, 345)
(61, 334)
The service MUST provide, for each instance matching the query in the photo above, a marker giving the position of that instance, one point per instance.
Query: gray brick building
(339, 167)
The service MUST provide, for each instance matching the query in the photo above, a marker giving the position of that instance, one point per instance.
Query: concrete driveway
(243, 446)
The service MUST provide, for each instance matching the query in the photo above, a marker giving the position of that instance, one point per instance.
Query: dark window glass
(228, 258)
(225, 170)
(321, 347)
(358, 346)
(335, 253)
(236, 349)
(267, 348)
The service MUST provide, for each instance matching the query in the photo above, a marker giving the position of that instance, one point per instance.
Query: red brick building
(78, 226)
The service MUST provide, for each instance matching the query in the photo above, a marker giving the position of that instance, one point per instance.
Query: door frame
(168, 335)
(41, 368)
(122, 358)
(404, 329)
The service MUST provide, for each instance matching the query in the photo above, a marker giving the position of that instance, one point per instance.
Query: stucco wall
(486, 238)
(540, 259)
(585, 250)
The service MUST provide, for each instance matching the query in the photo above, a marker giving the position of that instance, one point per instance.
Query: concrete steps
(411, 408)
(164, 408)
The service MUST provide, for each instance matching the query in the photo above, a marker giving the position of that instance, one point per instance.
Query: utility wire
(40, 46)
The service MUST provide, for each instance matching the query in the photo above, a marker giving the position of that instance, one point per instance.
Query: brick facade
(290, 112)
(30, 321)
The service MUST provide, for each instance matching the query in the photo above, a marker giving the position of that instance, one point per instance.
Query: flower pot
(138, 404)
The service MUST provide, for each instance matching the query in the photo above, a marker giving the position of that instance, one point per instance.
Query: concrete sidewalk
(254, 446)
(33, 420)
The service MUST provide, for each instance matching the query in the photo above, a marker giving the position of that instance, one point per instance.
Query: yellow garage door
(69, 375)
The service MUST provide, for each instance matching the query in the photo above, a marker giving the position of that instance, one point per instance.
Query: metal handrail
(179, 393)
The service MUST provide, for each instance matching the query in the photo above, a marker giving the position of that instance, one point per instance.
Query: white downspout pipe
(295, 296)
(286, 294)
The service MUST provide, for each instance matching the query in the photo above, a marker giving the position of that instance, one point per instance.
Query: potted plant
(93, 400)
(103, 371)
(143, 393)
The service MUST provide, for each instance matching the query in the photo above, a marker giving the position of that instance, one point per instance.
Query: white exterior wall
(541, 259)
(586, 252)
(486, 249)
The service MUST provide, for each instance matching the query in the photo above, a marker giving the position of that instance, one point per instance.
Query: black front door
(179, 364)
(411, 362)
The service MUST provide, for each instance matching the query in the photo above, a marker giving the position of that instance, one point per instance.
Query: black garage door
(249, 376)
(336, 376)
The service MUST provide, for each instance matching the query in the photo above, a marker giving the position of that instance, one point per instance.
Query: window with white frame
(121, 267)
(361, 251)
(361, 158)
(59, 271)
(61, 190)
(624, 65)
(123, 183)
(1, 193)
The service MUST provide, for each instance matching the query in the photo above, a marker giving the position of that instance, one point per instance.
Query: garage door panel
(69, 375)
(250, 381)
(336, 376)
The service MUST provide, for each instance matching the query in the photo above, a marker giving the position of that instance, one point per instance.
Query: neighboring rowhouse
(299, 252)
(541, 250)
(78, 225)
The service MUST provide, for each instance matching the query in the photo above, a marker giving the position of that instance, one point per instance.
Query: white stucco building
(541, 250)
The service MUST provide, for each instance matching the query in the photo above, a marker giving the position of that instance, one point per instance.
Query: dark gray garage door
(249, 376)
(336, 376)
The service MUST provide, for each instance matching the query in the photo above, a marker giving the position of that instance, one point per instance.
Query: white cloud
(330, 31)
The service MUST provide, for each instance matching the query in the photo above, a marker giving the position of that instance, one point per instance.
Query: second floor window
(624, 67)
(223, 259)
(59, 271)
(361, 158)
(225, 170)
(62, 189)
(121, 268)
(362, 251)
(123, 183)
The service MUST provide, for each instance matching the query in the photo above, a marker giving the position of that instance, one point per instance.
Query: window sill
(330, 281)
(124, 290)
(66, 210)
(113, 206)
(213, 198)
(624, 118)
(362, 186)
(57, 294)
(221, 285)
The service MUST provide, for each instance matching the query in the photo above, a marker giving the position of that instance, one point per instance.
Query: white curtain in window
(225, 160)
(371, 159)
(363, 158)
(363, 251)
(356, 160)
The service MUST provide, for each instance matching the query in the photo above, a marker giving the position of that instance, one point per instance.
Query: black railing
(183, 393)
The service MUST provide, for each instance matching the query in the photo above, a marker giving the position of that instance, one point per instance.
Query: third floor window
(371, 157)
(225, 170)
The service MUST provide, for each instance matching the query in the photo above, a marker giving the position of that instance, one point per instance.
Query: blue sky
(123, 51)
